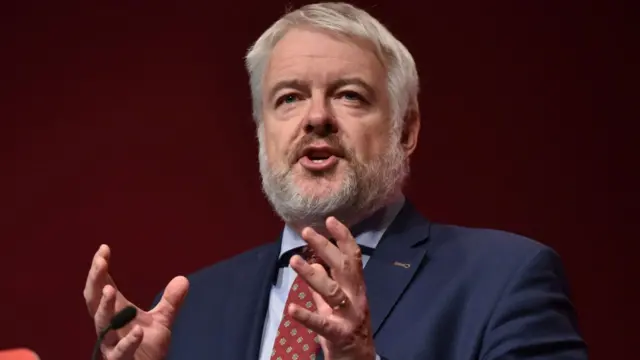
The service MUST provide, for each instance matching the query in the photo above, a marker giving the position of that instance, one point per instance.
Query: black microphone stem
(96, 347)
(118, 321)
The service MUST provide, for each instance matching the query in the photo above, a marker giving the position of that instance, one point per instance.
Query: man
(335, 105)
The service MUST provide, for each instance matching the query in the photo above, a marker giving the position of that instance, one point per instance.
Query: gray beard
(366, 187)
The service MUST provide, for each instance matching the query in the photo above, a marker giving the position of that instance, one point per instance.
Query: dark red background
(128, 123)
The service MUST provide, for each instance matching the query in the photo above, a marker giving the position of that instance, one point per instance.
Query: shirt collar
(367, 233)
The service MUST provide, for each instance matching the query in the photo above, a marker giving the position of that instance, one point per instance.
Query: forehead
(319, 57)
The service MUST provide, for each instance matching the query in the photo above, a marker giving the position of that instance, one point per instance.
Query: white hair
(347, 20)
(366, 186)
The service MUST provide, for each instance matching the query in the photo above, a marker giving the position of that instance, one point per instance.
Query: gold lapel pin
(404, 265)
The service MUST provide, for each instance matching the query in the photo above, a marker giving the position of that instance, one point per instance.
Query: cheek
(276, 144)
(370, 144)
(272, 149)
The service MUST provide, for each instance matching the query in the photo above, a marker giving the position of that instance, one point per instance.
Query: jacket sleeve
(534, 318)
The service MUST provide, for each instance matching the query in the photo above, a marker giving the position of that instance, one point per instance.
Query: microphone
(118, 321)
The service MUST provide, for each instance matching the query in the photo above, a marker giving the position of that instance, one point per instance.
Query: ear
(410, 130)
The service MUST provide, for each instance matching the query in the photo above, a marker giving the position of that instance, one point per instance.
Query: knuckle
(333, 290)
(349, 338)
(324, 324)
(310, 271)
(346, 265)
(346, 331)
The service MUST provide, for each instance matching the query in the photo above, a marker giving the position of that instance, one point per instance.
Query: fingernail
(306, 232)
(295, 260)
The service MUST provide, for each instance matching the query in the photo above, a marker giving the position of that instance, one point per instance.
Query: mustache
(332, 141)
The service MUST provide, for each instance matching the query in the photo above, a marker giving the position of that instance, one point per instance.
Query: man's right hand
(147, 336)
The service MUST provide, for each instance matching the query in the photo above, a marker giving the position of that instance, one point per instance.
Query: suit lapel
(248, 302)
(399, 254)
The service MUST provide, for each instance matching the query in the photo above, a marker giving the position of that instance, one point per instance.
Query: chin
(318, 188)
(318, 185)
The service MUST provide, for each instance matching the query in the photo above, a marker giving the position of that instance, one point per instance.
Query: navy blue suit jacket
(436, 292)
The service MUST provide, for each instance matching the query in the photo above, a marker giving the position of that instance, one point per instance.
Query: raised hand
(147, 336)
(342, 320)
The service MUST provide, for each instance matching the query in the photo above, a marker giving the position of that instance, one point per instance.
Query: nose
(319, 118)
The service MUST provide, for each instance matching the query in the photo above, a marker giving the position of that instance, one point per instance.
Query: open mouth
(319, 159)
(318, 156)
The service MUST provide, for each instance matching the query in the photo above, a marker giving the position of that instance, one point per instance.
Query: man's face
(326, 129)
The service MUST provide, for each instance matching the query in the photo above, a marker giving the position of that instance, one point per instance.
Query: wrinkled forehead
(321, 57)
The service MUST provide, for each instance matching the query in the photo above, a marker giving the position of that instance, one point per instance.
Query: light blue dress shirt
(369, 232)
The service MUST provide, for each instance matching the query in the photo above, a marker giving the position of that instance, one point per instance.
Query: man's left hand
(342, 320)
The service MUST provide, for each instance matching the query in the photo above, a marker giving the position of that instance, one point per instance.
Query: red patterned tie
(293, 340)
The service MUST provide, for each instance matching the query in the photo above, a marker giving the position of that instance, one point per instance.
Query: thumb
(172, 298)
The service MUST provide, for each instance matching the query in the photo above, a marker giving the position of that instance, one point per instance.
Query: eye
(352, 96)
(287, 99)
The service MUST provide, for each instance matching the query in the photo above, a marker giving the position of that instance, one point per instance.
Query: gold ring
(341, 305)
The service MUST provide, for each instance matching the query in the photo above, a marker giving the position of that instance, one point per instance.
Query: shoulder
(223, 269)
(492, 266)
(489, 252)
(484, 241)
(463, 245)
(518, 286)
(222, 274)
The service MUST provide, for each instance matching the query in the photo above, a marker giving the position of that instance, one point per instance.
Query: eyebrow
(302, 85)
(353, 81)
(287, 84)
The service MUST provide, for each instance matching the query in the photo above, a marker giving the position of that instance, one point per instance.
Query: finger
(97, 278)
(318, 279)
(351, 273)
(104, 313)
(329, 253)
(321, 305)
(332, 328)
(345, 309)
(126, 347)
(172, 298)
(344, 239)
